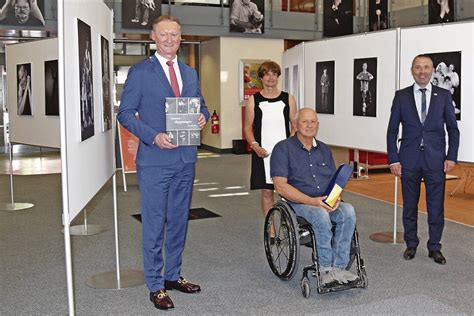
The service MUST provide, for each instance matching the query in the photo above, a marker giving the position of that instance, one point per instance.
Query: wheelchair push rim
(281, 241)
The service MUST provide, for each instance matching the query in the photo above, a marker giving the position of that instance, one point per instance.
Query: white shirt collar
(163, 60)
(429, 87)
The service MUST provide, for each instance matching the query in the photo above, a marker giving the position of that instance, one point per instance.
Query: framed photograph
(447, 75)
(23, 88)
(85, 80)
(22, 13)
(325, 87)
(139, 14)
(106, 91)
(440, 11)
(337, 17)
(365, 87)
(249, 82)
(378, 15)
(246, 16)
(51, 88)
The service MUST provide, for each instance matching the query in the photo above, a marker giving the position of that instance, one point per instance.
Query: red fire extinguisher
(215, 123)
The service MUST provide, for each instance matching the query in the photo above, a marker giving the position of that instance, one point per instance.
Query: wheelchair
(284, 234)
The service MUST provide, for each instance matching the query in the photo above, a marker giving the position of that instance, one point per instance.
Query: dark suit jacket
(440, 114)
(145, 92)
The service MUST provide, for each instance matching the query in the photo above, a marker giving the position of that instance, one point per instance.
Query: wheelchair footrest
(335, 287)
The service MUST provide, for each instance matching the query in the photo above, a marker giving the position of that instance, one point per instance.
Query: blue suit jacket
(145, 91)
(440, 114)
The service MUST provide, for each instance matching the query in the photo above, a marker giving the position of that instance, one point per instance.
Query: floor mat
(194, 213)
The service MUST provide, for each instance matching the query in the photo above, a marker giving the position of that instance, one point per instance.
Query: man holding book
(301, 169)
(165, 171)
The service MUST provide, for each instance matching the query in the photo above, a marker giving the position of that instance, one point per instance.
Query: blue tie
(423, 105)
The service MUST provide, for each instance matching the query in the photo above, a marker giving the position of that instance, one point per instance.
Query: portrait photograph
(337, 18)
(440, 11)
(23, 88)
(447, 75)
(51, 91)
(22, 13)
(106, 93)
(365, 87)
(85, 80)
(139, 14)
(246, 16)
(325, 87)
(378, 15)
(173, 135)
(194, 105)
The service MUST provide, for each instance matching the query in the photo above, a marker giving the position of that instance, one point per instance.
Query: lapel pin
(435, 94)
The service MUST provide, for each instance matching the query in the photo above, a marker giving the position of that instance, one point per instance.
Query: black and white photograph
(440, 11)
(183, 106)
(106, 93)
(170, 106)
(296, 84)
(194, 138)
(337, 18)
(173, 135)
(85, 80)
(378, 15)
(365, 87)
(325, 87)
(194, 105)
(51, 91)
(139, 14)
(246, 16)
(447, 75)
(286, 84)
(183, 137)
(22, 13)
(23, 88)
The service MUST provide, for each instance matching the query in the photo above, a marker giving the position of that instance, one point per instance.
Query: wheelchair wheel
(353, 251)
(281, 241)
(305, 287)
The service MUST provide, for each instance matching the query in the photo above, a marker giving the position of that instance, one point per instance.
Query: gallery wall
(393, 51)
(33, 127)
(292, 73)
(88, 142)
(348, 126)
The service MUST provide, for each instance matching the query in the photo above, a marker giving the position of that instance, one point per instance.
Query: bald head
(307, 123)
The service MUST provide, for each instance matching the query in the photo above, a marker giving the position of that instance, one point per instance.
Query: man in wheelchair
(301, 168)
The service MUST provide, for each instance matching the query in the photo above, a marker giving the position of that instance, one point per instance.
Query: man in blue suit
(165, 171)
(424, 111)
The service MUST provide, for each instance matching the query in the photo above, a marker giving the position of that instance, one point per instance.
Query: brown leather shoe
(161, 300)
(182, 285)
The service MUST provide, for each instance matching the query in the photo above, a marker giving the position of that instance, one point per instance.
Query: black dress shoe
(182, 285)
(437, 257)
(161, 300)
(409, 253)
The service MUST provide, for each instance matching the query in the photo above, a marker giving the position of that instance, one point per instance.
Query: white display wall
(37, 129)
(293, 73)
(394, 50)
(343, 128)
(451, 37)
(89, 163)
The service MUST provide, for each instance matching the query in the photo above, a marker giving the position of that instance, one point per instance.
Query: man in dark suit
(165, 171)
(424, 111)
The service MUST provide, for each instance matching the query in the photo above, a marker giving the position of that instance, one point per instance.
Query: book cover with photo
(182, 115)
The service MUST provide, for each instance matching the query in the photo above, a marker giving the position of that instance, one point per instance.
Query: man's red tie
(173, 79)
